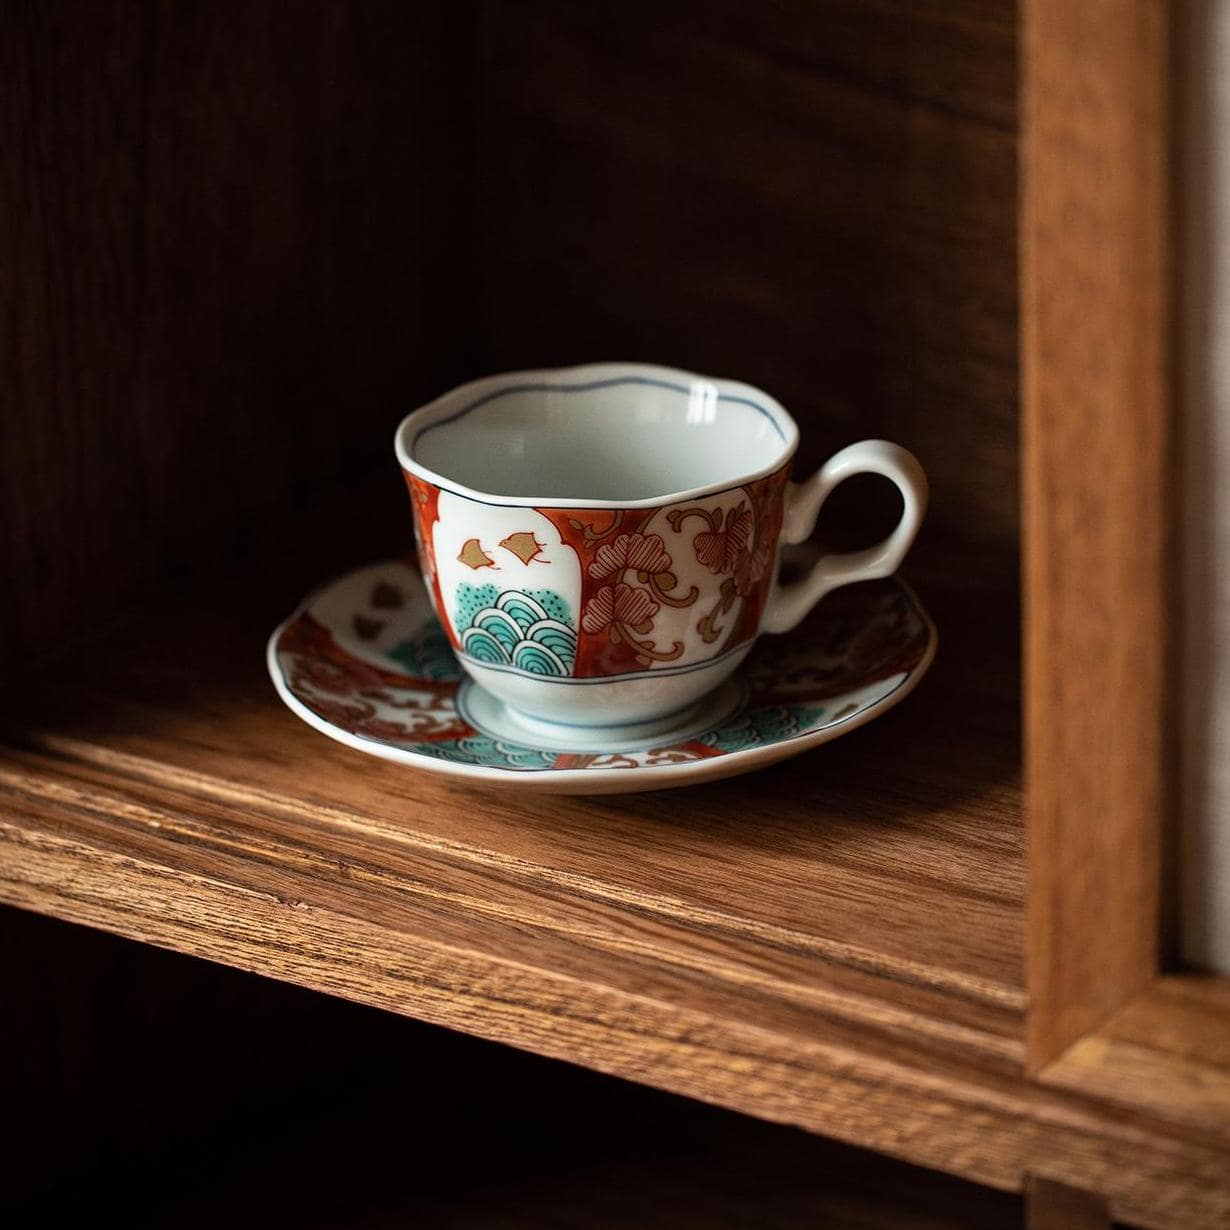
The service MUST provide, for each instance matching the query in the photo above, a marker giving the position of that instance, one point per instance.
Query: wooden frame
(1097, 415)
(1097, 262)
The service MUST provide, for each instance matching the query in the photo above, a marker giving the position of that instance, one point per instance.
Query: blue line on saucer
(657, 673)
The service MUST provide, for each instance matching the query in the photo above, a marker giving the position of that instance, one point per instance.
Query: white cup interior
(608, 433)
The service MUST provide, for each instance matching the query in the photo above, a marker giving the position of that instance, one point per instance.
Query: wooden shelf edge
(1166, 1053)
(859, 960)
(596, 928)
(992, 1127)
(812, 889)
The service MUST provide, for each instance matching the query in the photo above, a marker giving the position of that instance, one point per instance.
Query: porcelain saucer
(364, 661)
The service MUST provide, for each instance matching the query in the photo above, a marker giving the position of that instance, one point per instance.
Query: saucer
(365, 661)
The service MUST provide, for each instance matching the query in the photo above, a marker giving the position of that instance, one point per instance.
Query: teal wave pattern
(532, 632)
(488, 753)
(751, 728)
(767, 724)
(427, 655)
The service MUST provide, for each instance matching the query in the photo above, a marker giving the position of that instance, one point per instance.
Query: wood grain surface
(834, 944)
(828, 860)
(227, 243)
(819, 198)
(238, 248)
(1095, 342)
(1168, 1050)
(167, 868)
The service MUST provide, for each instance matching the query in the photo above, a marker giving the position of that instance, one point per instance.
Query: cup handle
(788, 604)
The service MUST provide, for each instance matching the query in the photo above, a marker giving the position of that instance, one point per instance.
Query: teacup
(602, 543)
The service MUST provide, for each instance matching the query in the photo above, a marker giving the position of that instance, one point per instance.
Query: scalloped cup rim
(438, 411)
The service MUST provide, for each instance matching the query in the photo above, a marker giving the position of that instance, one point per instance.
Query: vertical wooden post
(1095, 309)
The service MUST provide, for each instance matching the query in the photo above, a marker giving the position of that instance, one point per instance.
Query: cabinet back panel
(815, 197)
(222, 237)
(237, 245)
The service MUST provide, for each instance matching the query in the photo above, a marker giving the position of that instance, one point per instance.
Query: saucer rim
(607, 780)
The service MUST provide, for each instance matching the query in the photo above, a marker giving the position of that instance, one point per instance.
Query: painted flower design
(644, 553)
(725, 547)
(426, 725)
(720, 547)
(625, 613)
(327, 677)
(750, 568)
(798, 684)
(361, 717)
(614, 605)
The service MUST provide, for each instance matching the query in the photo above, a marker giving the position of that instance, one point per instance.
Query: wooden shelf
(833, 943)
(807, 892)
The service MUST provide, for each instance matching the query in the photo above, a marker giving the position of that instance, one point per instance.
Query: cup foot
(502, 721)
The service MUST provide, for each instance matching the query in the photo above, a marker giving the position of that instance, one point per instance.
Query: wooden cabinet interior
(239, 247)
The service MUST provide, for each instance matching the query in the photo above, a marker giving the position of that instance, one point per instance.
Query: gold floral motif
(708, 626)
(662, 583)
(724, 546)
(592, 534)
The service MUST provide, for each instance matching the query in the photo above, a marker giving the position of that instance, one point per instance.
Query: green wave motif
(488, 753)
(521, 607)
(518, 630)
(498, 624)
(539, 660)
(768, 724)
(427, 655)
(480, 644)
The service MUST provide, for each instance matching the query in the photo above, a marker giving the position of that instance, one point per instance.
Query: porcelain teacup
(602, 543)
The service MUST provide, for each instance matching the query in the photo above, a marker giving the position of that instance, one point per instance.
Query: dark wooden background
(239, 240)
(230, 247)
(155, 1090)
(818, 198)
